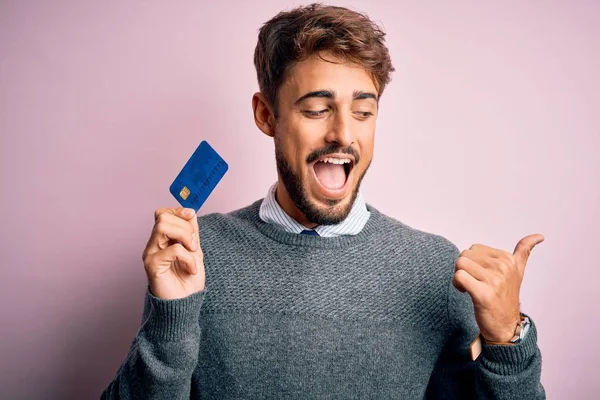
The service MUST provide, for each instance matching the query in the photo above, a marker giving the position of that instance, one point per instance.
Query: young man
(310, 292)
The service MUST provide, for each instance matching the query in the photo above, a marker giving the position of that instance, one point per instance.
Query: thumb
(181, 212)
(524, 247)
(185, 213)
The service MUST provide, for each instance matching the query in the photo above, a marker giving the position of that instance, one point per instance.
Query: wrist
(524, 345)
(173, 319)
(511, 335)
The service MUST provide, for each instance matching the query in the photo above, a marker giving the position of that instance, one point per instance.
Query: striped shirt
(272, 213)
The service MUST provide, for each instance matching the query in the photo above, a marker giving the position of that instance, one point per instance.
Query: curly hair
(295, 35)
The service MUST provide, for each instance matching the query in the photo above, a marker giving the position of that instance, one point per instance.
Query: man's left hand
(493, 279)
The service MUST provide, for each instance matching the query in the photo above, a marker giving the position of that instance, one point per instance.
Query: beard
(298, 191)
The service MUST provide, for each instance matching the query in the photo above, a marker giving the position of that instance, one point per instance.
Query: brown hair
(295, 35)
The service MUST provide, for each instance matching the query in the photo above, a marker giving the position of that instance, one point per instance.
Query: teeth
(335, 160)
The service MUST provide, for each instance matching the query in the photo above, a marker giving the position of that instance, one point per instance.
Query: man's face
(324, 136)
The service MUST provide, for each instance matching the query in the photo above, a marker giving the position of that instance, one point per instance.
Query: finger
(488, 262)
(189, 220)
(524, 247)
(183, 259)
(185, 223)
(490, 251)
(176, 255)
(487, 256)
(465, 282)
(185, 213)
(196, 231)
(474, 269)
(169, 229)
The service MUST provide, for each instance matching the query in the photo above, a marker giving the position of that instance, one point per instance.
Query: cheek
(301, 139)
(290, 145)
(366, 144)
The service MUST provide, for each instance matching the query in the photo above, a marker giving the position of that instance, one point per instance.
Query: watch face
(521, 330)
(526, 326)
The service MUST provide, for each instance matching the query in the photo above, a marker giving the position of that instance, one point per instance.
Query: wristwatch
(521, 330)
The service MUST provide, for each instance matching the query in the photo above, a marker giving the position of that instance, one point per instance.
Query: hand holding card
(173, 258)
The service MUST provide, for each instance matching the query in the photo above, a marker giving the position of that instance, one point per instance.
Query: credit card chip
(185, 192)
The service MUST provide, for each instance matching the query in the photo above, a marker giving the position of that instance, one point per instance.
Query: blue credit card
(199, 176)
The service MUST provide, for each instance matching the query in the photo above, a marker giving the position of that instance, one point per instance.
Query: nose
(340, 130)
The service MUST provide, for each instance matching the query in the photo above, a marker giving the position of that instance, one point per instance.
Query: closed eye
(364, 114)
(314, 113)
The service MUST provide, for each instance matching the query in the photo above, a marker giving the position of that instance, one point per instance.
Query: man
(310, 292)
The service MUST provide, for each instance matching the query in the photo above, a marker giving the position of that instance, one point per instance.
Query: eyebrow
(360, 95)
(330, 94)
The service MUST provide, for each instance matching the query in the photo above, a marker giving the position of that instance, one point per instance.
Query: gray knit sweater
(288, 316)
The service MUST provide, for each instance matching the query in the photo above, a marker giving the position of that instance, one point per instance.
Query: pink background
(488, 132)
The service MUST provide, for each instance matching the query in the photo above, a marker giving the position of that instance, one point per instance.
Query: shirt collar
(272, 213)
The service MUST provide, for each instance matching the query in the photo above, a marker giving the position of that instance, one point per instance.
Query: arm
(164, 354)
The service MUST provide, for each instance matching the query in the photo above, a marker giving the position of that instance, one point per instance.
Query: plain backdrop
(489, 131)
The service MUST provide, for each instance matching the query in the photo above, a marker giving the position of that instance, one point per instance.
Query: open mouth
(332, 171)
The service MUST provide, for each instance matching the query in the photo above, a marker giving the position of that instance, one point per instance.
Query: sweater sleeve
(164, 354)
(500, 371)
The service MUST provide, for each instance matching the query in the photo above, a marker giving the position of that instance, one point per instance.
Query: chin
(328, 202)
(327, 210)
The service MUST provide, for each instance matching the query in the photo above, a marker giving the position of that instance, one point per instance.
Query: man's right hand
(173, 259)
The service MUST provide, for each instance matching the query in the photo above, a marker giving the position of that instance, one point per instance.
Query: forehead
(316, 74)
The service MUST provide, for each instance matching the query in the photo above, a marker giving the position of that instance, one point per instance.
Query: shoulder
(222, 224)
(401, 233)
(419, 245)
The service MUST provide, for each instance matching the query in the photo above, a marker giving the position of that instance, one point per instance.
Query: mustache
(332, 149)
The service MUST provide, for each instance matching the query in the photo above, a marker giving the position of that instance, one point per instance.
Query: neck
(284, 200)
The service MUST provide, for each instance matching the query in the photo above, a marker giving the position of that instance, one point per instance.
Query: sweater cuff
(176, 319)
(511, 359)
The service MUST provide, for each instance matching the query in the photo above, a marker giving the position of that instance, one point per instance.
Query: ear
(263, 115)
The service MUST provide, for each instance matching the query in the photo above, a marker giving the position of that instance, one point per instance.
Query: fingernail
(189, 212)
